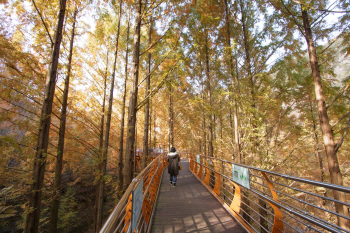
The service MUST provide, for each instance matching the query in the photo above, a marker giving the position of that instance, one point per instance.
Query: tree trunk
(100, 149)
(221, 148)
(121, 142)
(147, 117)
(203, 112)
(317, 149)
(135, 152)
(154, 129)
(171, 118)
(60, 146)
(101, 185)
(246, 214)
(33, 216)
(234, 83)
(333, 165)
(129, 152)
(150, 124)
(232, 137)
(211, 136)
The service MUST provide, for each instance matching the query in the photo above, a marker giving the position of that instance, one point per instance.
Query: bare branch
(156, 89)
(42, 20)
(341, 119)
(338, 96)
(156, 42)
(340, 142)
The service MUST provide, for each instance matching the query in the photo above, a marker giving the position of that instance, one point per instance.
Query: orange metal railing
(122, 218)
(272, 202)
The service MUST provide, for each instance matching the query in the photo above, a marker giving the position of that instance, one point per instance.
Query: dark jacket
(173, 167)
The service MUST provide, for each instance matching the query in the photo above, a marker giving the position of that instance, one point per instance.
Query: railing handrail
(271, 199)
(121, 204)
(290, 177)
(288, 204)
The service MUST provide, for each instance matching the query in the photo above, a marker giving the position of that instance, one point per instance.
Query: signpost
(137, 195)
(241, 175)
(198, 159)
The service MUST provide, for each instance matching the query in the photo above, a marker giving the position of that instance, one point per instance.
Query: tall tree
(147, 106)
(154, 128)
(209, 93)
(234, 83)
(100, 146)
(204, 127)
(60, 146)
(171, 117)
(35, 195)
(101, 184)
(130, 138)
(317, 149)
(333, 165)
(121, 142)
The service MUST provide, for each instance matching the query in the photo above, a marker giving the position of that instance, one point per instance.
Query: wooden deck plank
(190, 207)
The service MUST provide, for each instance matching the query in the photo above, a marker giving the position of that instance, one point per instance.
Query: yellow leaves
(18, 37)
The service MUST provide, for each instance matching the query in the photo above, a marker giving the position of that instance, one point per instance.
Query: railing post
(223, 181)
(217, 180)
(207, 173)
(128, 216)
(262, 209)
(236, 207)
(200, 171)
(195, 165)
(191, 162)
(277, 222)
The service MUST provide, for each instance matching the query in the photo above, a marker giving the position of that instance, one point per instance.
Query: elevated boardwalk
(190, 207)
(204, 200)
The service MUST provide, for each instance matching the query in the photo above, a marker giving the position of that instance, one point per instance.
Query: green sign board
(241, 175)
(198, 159)
(136, 204)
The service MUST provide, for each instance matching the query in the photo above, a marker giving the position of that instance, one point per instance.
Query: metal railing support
(122, 214)
(278, 220)
(217, 186)
(207, 173)
(268, 208)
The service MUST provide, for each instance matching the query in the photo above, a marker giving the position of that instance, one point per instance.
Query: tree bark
(121, 142)
(234, 83)
(232, 137)
(333, 165)
(154, 128)
(129, 152)
(171, 117)
(211, 136)
(60, 146)
(101, 185)
(203, 112)
(221, 147)
(150, 124)
(246, 214)
(147, 116)
(100, 149)
(35, 195)
(317, 149)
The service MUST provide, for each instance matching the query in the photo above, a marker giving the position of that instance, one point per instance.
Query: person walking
(173, 167)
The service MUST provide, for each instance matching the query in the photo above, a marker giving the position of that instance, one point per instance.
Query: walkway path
(190, 207)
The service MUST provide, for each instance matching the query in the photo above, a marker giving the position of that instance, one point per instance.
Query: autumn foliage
(253, 82)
